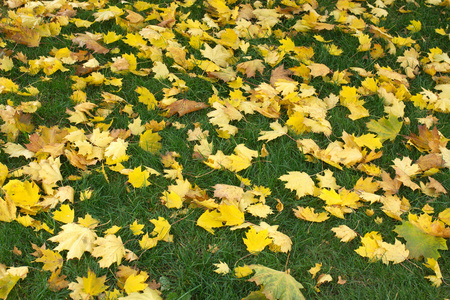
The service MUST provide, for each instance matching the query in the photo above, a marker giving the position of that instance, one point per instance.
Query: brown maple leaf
(429, 161)
(280, 73)
(427, 141)
(183, 107)
(22, 35)
(388, 184)
(48, 140)
(90, 41)
(250, 67)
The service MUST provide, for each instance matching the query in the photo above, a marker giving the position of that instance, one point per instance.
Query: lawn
(224, 149)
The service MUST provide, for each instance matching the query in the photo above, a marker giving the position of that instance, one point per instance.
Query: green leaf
(258, 295)
(276, 284)
(419, 243)
(386, 129)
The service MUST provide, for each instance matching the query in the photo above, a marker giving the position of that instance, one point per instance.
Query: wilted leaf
(276, 284)
(386, 129)
(183, 107)
(420, 244)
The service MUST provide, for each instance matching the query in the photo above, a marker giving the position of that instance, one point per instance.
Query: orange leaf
(183, 107)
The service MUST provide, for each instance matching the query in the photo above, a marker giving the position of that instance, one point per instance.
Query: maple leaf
(308, 214)
(9, 277)
(136, 283)
(345, 233)
(231, 215)
(250, 67)
(149, 141)
(222, 268)
(420, 244)
(432, 264)
(75, 238)
(219, 55)
(386, 129)
(280, 73)
(146, 97)
(65, 214)
(278, 131)
(429, 141)
(138, 178)
(136, 228)
(57, 282)
(22, 35)
(87, 287)
(256, 241)
(183, 107)
(52, 260)
(300, 182)
(161, 230)
(318, 70)
(147, 294)
(243, 271)
(209, 220)
(90, 41)
(276, 284)
(110, 249)
(23, 194)
(7, 210)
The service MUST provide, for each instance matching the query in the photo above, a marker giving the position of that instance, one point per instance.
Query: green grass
(184, 268)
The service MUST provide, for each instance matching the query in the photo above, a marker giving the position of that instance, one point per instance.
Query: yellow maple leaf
(136, 228)
(111, 37)
(314, 270)
(52, 260)
(112, 230)
(368, 140)
(364, 42)
(395, 253)
(136, 282)
(110, 249)
(146, 97)
(327, 180)
(277, 131)
(308, 214)
(116, 149)
(146, 242)
(88, 221)
(7, 210)
(172, 199)
(345, 233)
(222, 268)
(136, 127)
(161, 230)
(75, 238)
(87, 287)
(149, 141)
(259, 210)
(138, 178)
(371, 246)
(243, 271)
(300, 182)
(219, 55)
(256, 241)
(65, 214)
(148, 293)
(231, 215)
(209, 220)
(432, 264)
(23, 194)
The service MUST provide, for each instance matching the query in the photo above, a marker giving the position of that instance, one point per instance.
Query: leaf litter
(218, 49)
